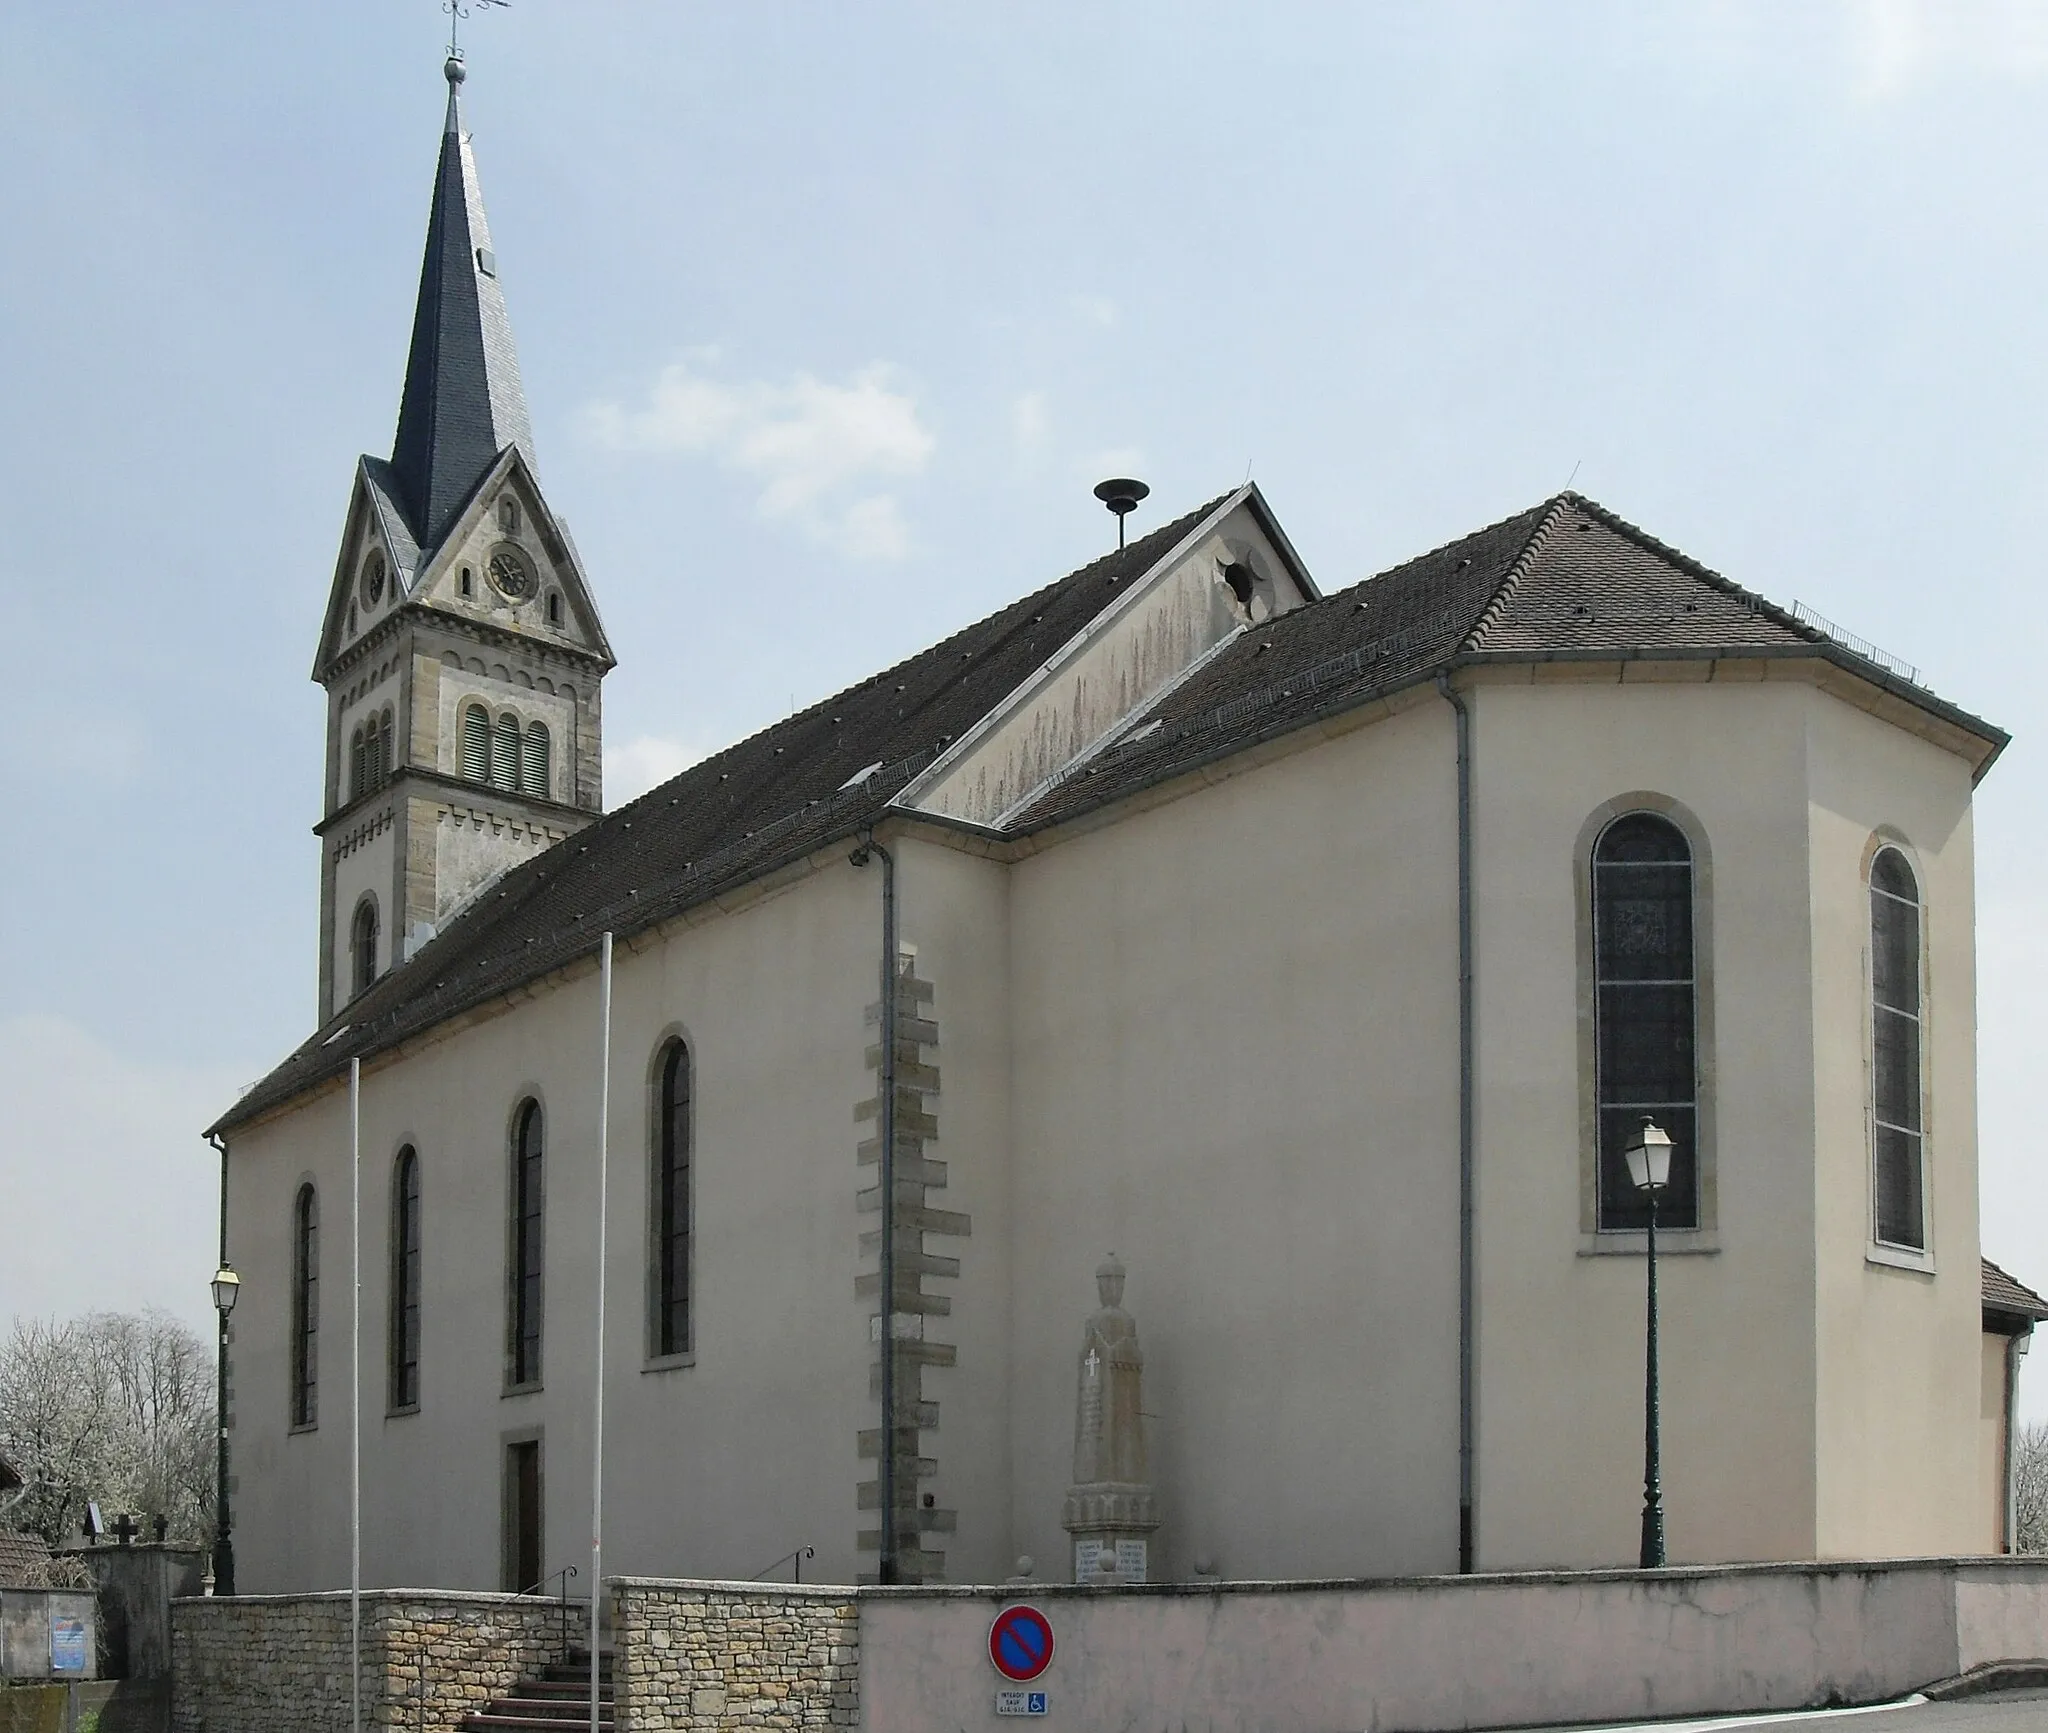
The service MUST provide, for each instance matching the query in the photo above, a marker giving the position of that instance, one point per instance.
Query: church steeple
(462, 651)
(463, 402)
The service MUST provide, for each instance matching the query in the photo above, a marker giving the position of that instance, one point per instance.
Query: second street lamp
(1649, 1171)
(227, 1288)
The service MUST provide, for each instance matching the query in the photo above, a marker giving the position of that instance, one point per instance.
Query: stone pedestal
(1109, 1509)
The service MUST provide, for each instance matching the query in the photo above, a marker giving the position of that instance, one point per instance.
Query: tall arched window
(305, 1355)
(362, 943)
(384, 745)
(508, 516)
(1645, 1011)
(476, 743)
(405, 1279)
(358, 764)
(670, 1215)
(534, 771)
(505, 752)
(523, 1324)
(1896, 1105)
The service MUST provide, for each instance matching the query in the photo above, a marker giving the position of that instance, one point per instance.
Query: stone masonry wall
(280, 1664)
(708, 1658)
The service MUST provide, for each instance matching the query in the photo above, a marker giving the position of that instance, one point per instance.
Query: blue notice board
(68, 1635)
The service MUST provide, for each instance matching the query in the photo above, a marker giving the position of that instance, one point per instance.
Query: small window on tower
(476, 744)
(508, 516)
(363, 943)
(505, 752)
(468, 588)
(554, 607)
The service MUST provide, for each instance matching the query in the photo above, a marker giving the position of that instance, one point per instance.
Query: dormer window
(508, 516)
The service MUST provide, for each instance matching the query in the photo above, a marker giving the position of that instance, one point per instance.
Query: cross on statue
(126, 1529)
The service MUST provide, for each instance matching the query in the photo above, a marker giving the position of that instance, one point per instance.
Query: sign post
(1020, 1645)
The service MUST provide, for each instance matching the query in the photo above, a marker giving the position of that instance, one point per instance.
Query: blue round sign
(1020, 1643)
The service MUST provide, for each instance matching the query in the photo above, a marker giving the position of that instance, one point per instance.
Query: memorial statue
(1109, 1509)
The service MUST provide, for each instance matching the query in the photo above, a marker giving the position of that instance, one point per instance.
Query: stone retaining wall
(708, 1657)
(280, 1663)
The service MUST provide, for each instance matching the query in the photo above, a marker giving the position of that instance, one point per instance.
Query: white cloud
(1030, 423)
(1895, 44)
(644, 762)
(112, 1197)
(815, 447)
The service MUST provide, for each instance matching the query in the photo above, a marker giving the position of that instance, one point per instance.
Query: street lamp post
(1649, 1170)
(227, 1287)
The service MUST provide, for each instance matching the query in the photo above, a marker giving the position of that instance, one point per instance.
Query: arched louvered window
(358, 764)
(1897, 1107)
(534, 772)
(670, 1275)
(405, 1279)
(384, 745)
(305, 1348)
(1645, 1012)
(362, 943)
(523, 1323)
(476, 743)
(505, 752)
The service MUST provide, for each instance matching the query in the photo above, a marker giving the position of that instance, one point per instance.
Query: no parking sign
(1020, 1643)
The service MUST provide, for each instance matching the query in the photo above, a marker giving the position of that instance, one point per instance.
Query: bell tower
(462, 652)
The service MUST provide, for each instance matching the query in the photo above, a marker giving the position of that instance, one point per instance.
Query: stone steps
(559, 1698)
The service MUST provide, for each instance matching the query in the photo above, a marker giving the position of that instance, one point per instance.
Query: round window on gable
(373, 578)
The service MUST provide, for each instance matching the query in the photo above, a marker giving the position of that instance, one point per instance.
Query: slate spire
(463, 403)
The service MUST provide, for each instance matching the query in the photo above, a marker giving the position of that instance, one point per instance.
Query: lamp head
(227, 1287)
(1649, 1157)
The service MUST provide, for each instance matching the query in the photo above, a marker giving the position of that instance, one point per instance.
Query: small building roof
(2010, 1306)
(24, 1561)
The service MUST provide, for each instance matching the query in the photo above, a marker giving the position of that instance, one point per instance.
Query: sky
(831, 315)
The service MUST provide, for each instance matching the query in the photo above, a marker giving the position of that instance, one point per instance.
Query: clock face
(373, 580)
(510, 575)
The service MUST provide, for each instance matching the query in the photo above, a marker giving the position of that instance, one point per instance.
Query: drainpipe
(223, 1526)
(886, 1567)
(2015, 1351)
(1467, 1536)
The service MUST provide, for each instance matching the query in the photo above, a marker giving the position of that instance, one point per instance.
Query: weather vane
(458, 10)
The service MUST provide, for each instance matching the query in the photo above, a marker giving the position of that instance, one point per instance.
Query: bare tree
(2030, 1488)
(114, 1407)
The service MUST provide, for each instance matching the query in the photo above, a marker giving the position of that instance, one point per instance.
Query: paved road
(1995, 1712)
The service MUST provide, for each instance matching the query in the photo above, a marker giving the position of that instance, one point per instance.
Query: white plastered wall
(1560, 1332)
(1235, 1065)
(714, 1468)
(1900, 1471)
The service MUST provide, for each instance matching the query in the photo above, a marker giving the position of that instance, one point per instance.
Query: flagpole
(604, 1114)
(355, 1395)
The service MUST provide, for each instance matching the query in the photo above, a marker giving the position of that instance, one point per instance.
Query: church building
(1188, 980)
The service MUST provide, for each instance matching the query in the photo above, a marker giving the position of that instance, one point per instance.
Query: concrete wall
(1454, 1653)
(25, 1616)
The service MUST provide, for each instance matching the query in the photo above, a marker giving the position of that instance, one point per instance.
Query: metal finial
(458, 10)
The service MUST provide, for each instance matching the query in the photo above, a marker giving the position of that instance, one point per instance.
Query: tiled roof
(769, 800)
(1563, 579)
(2003, 1294)
(1566, 579)
(24, 1561)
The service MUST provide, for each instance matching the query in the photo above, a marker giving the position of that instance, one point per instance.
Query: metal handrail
(564, 1574)
(797, 1557)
